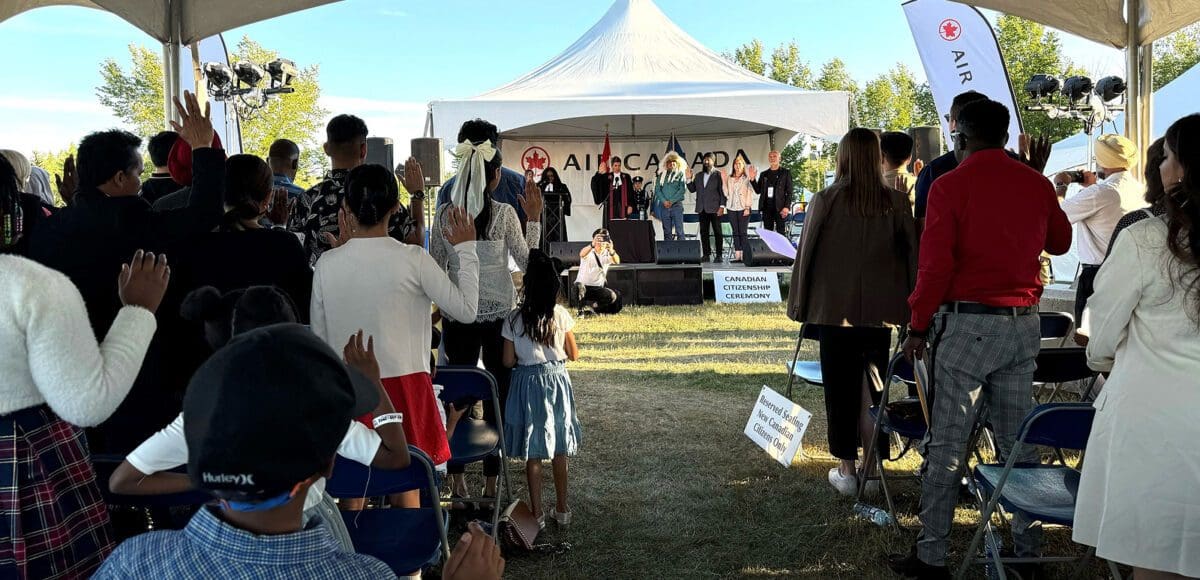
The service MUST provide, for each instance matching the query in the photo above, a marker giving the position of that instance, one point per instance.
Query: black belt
(977, 308)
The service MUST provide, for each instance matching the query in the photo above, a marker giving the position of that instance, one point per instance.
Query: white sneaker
(846, 485)
(563, 519)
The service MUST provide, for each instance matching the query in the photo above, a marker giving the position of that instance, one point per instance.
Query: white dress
(1139, 497)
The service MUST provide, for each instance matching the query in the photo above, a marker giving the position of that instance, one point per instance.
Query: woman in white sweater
(387, 289)
(1138, 502)
(500, 239)
(56, 379)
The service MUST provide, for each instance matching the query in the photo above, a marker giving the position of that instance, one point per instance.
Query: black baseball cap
(268, 411)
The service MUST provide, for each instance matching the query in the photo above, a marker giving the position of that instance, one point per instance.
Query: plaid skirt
(53, 521)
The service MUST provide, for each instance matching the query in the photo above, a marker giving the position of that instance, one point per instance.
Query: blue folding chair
(473, 439)
(808, 371)
(1039, 492)
(1058, 366)
(407, 540)
(905, 421)
(1057, 326)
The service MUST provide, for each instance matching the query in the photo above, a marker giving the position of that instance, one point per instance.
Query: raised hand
(143, 281)
(918, 167)
(603, 168)
(752, 171)
(281, 207)
(68, 182)
(361, 355)
(344, 232)
(196, 128)
(475, 557)
(459, 226)
(688, 173)
(531, 202)
(412, 177)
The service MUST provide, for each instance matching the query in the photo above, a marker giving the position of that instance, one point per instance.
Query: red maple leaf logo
(535, 158)
(950, 29)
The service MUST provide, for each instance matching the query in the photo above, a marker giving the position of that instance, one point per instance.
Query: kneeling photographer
(590, 289)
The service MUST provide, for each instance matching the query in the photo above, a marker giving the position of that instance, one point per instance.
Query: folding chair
(905, 421)
(474, 439)
(407, 540)
(808, 371)
(1057, 366)
(1058, 326)
(1044, 493)
(151, 507)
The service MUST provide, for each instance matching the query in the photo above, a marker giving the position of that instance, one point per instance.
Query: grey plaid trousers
(979, 359)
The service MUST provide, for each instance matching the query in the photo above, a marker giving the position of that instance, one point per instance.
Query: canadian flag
(607, 153)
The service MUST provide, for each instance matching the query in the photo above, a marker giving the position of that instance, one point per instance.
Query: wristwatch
(418, 195)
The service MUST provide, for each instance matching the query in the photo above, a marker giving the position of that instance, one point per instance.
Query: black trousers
(711, 222)
(1084, 290)
(772, 221)
(603, 300)
(845, 353)
(463, 343)
(740, 224)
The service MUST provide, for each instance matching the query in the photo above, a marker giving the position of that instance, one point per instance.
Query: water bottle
(873, 514)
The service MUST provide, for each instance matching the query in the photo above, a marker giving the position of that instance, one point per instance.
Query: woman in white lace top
(499, 237)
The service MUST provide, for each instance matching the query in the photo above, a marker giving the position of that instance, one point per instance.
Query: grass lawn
(667, 486)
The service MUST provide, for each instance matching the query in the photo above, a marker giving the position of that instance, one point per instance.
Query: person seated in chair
(590, 289)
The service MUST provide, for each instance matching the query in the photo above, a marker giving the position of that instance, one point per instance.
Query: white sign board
(777, 425)
(746, 287)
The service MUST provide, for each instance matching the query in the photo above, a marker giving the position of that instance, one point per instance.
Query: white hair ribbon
(470, 185)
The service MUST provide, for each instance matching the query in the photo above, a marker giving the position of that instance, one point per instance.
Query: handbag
(518, 527)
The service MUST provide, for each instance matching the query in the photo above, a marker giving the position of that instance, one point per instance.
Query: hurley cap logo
(228, 478)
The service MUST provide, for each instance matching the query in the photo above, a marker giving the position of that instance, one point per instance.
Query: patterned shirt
(320, 215)
(211, 548)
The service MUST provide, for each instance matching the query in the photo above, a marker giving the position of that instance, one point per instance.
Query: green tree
(750, 56)
(52, 162)
(136, 97)
(890, 102)
(788, 68)
(1030, 48)
(1175, 54)
(927, 114)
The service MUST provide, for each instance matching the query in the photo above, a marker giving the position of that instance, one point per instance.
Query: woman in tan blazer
(856, 266)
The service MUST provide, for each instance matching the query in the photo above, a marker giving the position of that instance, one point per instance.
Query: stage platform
(670, 284)
(709, 268)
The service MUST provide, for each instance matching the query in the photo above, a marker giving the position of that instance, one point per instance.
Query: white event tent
(639, 77)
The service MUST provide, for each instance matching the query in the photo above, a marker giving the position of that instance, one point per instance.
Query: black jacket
(91, 239)
(782, 182)
(708, 199)
(157, 186)
(602, 190)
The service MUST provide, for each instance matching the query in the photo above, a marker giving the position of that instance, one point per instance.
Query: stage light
(1110, 89)
(282, 72)
(1041, 86)
(249, 74)
(219, 76)
(1076, 89)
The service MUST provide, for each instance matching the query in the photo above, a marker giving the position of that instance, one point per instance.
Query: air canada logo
(950, 30)
(535, 159)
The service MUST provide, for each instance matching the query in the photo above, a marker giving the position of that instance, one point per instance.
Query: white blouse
(387, 289)
(497, 296)
(48, 352)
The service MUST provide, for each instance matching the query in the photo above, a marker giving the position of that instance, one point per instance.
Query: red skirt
(413, 396)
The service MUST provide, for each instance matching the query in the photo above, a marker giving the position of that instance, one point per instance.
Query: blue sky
(385, 59)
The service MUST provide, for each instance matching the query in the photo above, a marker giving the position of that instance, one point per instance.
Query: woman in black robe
(558, 206)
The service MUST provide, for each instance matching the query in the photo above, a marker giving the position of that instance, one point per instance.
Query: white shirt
(593, 273)
(533, 353)
(167, 449)
(48, 352)
(616, 183)
(387, 289)
(1095, 211)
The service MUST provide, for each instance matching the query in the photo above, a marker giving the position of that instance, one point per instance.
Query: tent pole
(1147, 99)
(170, 81)
(1134, 109)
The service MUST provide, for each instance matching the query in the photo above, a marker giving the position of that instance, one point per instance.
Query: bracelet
(387, 419)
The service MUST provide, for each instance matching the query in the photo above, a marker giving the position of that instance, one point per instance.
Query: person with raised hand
(475, 557)
(387, 288)
(57, 378)
(107, 221)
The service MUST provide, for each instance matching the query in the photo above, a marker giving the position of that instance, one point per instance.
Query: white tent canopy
(1176, 100)
(1102, 20)
(639, 75)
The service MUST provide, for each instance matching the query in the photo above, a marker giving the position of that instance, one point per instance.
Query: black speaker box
(758, 254)
(428, 152)
(679, 252)
(670, 286)
(928, 143)
(567, 252)
(380, 152)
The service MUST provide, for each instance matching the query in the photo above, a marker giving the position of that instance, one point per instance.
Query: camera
(1076, 176)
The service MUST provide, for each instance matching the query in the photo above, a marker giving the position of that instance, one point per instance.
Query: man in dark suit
(774, 188)
(614, 190)
(710, 205)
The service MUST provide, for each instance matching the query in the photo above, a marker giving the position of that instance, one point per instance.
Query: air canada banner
(577, 161)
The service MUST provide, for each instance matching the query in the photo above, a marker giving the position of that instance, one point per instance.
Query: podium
(633, 240)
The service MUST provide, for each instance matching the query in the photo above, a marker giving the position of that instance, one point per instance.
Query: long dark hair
(12, 220)
(539, 295)
(546, 177)
(248, 183)
(860, 173)
(371, 193)
(1183, 206)
(241, 310)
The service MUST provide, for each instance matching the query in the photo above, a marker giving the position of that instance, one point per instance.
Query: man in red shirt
(976, 301)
